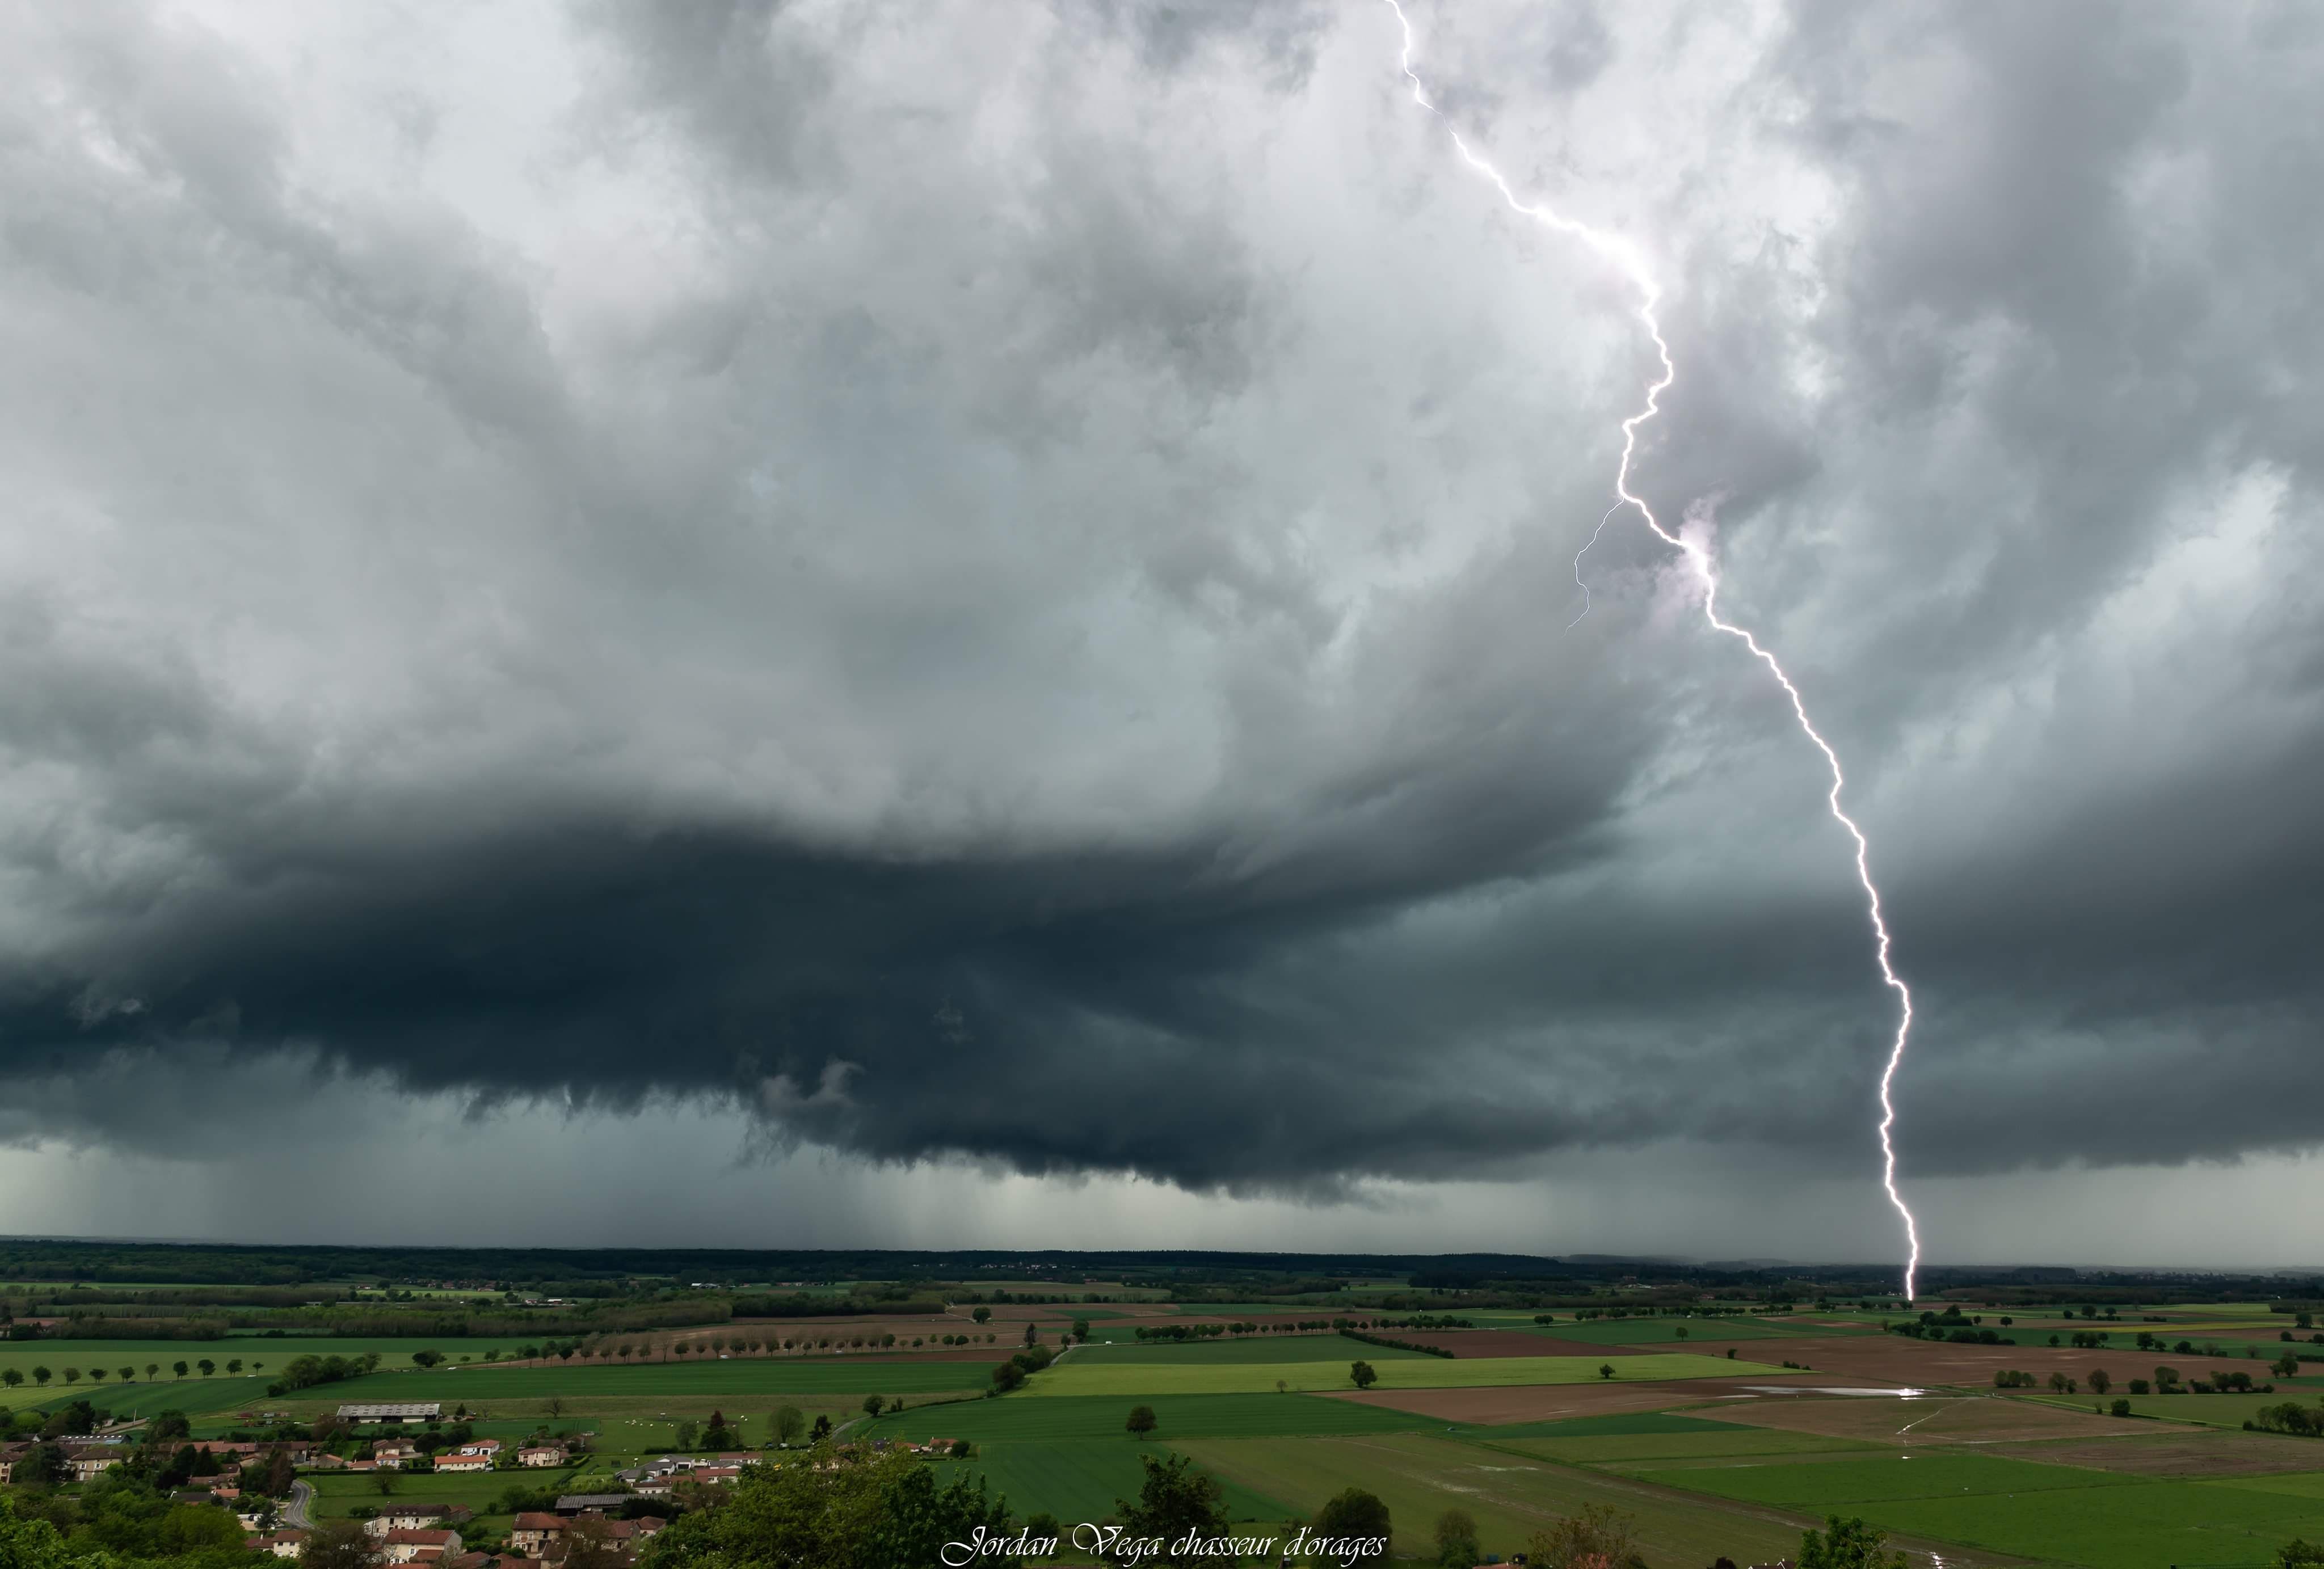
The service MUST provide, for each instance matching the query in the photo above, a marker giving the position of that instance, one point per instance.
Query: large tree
(1848, 1543)
(1598, 1537)
(1355, 1516)
(339, 1544)
(1175, 1501)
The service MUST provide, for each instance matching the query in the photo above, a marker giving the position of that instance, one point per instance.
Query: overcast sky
(940, 623)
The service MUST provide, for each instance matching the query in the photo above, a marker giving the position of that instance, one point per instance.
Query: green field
(2210, 1411)
(1657, 1447)
(2152, 1525)
(195, 1397)
(1101, 1419)
(1814, 1488)
(2060, 1513)
(1083, 1481)
(1666, 1331)
(1265, 1348)
(1419, 1477)
(743, 1378)
(1420, 1373)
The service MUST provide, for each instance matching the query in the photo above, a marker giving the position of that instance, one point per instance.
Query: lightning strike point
(1627, 258)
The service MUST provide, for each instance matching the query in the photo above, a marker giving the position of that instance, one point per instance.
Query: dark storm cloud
(1025, 617)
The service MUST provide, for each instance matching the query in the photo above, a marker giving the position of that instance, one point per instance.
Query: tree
(1456, 1540)
(1081, 1329)
(42, 1376)
(685, 1435)
(2297, 1553)
(1680, 1332)
(821, 1430)
(1605, 1370)
(873, 1405)
(983, 1314)
(206, 1367)
(878, 1513)
(1032, 1335)
(1848, 1543)
(2099, 1380)
(789, 1423)
(233, 1367)
(717, 1435)
(1176, 1502)
(1599, 1538)
(11, 1377)
(427, 1358)
(339, 1545)
(1361, 1375)
(128, 1374)
(1141, 1422)
(589, 1544)
(2285, 1366)
(1360, 1523)
(555, 1407)
(1007, 1376)
(178, 1370)
(154, 1367)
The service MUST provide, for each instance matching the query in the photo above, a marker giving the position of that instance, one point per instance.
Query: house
(464, 1461)
(481, 1446)
(408, 1545)
(282, 1544)
(540, 1454)
(413, 1517)
(9, 1455)
(393, 1451)
(535, 1534)
(91, 1463)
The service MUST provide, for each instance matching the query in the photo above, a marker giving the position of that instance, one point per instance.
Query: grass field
(1644, 1449)
(2056, 1513)
(1266, 1348)
(1419, 1477)
(1666, 1331)
(1420, 1373)
(196, 1397)
(1083, 1481)
(1814, 1488)
(2210, 1411)
(1099, 1419)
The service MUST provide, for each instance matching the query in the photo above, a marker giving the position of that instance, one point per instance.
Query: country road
(294, 1512)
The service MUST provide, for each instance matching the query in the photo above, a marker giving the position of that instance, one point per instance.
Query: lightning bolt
(1626, 258)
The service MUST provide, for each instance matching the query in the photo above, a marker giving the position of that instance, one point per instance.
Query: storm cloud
(999, 584)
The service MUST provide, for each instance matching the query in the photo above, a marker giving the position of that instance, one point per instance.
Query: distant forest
(226, 1275)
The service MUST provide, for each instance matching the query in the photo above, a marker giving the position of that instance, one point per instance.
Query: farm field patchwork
(1074, 1378)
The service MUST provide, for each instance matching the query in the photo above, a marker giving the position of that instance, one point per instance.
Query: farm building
(540, 1454)
(429, 1412)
